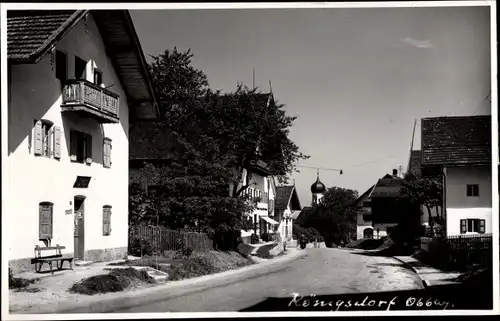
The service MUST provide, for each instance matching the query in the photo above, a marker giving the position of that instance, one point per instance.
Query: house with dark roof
(389, 207)
(380, 207)
(76, 80)
(287, 204)
(459, 150)
(364, 227)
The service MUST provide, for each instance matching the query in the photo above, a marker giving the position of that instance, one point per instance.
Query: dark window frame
(472, 190)
(98, 77)
(472, 225)
(80, 147)
(61, 74)
(80, 74)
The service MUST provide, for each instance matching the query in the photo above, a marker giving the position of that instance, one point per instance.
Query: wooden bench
(39, 260)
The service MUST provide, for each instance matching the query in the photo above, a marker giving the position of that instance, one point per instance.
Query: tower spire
(270, 87)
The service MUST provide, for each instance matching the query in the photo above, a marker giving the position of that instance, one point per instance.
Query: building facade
(68, 116)
(364, 227)
(261, 191)
(459, 150)
(287, 203)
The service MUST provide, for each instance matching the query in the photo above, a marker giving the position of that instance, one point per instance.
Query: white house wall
(459, 206)
(36, 94)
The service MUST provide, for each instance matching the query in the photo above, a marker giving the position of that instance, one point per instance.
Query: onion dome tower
(317, 190)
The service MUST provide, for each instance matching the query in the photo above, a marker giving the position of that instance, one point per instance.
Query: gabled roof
(456, 140)
(33, 33)
(362, 196)
(387, 186)
(287, 195)
(304, 213)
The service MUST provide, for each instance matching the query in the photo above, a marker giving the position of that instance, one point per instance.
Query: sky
(356, 77)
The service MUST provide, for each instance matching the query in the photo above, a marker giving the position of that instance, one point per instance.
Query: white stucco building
(459, 149)
(286, 209)
(76, 80)
(262, 191)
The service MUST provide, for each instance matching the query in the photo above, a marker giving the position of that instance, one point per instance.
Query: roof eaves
(140, 53)
(39, 53)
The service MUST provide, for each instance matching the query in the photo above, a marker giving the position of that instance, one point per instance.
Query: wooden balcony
(89, 100)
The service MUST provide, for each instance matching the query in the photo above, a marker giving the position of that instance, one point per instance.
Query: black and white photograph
(249, 159)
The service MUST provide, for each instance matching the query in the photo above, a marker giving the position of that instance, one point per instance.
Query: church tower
(317, 190)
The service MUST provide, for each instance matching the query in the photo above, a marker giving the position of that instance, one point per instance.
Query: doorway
(79, 231)
(368, 233)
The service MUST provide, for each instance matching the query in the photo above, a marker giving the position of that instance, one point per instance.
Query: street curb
(124, 300)
(425, 283)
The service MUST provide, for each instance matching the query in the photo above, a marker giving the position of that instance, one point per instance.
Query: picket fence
(162, 239)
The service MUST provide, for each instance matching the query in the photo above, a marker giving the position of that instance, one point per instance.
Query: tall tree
(425, 191)
(334, 218)
(211, 138)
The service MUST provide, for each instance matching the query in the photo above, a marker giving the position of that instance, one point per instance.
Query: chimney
(395, 172)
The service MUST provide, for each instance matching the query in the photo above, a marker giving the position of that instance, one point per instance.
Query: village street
(323, 271)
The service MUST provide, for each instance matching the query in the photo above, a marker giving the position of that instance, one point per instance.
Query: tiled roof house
(76, 79)
(459, 149)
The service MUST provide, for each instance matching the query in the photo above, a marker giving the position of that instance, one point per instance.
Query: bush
(140, 246)
(310, 233)
(18, 283)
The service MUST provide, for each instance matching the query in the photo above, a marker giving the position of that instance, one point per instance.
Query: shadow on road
(447, 297)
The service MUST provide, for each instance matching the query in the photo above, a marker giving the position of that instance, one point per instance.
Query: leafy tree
(136, 208)
(333, 217)
(426, 191)
(211, 138)
(174, 78)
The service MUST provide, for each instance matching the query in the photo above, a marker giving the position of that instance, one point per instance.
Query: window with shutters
(472, 190)
(45, 220)
(106, 153)
(472, 225)
(106, 220)
(47, 139)
(80, 147)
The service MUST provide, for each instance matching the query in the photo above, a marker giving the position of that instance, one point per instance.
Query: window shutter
(482, 226)
(88, 148)
(106, 221)
(45, 220)
(73, 145)
(463, 226)
(107, 153)
(38, 138)
(57, 142)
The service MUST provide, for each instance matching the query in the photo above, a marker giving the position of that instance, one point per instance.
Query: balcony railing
(255, 195)
(82, 96)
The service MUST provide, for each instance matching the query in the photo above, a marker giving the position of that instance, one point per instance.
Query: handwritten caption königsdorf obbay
(366, 303)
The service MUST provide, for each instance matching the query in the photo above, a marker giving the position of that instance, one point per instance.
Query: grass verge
(20, 284)
(196, 264)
